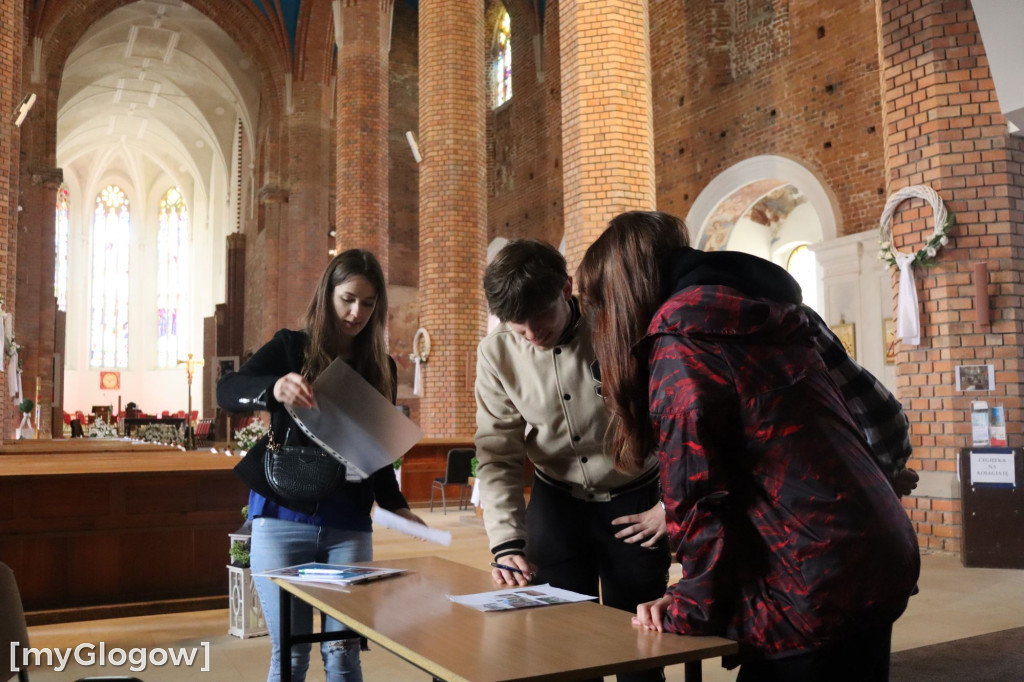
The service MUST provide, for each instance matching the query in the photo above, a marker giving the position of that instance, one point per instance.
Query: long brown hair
(324, 332)
(620, 280)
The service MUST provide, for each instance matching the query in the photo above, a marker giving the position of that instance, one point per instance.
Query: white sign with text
(989, 467)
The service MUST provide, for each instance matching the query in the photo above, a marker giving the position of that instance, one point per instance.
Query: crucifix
(190, 369)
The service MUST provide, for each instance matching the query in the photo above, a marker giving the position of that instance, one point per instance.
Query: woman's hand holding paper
(293, 389)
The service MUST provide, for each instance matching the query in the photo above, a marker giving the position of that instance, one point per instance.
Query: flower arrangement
(12, 347)
(161, 433)
(250, 433)
(101, 429)
(25, 406)
(943, 224)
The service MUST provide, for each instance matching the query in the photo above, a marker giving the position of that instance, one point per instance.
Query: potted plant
(398, 470)
(239, 553)
(25, 429)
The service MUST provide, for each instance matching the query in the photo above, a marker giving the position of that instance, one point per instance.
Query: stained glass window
(108, 320)
(171, 277)
(60, 238)
(501, 61)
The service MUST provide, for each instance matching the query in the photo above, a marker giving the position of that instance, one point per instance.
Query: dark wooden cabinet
(118, 533)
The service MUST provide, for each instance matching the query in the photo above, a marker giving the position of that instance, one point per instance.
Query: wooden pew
(78, 446)
(113, 533)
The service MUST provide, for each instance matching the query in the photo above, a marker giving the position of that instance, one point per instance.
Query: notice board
(992, 492)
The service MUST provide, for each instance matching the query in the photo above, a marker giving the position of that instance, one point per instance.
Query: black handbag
(299, 474)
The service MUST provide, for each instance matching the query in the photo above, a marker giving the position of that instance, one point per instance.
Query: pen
(319, 571)
(507, 568)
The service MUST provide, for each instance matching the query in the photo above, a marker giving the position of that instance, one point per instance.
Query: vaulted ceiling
(159, 82)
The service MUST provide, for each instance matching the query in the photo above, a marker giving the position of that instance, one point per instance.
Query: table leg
(285, 624)
(692, 671)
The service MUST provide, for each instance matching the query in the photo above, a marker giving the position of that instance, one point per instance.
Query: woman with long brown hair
(345, 319)
(791, 538)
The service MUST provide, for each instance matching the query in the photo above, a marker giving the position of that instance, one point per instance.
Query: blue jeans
(277, 543)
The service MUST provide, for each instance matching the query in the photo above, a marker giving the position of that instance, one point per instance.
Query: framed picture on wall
(846, 333)
(975, 377)
(222, 366)
(889, 340)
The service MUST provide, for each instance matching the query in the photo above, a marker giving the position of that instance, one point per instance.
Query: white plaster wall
(749, 237)
(856, 287)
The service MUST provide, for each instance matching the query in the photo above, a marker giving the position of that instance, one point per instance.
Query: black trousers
(860, 657)
(572, 542)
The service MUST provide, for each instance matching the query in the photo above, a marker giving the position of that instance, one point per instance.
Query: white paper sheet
(519, 598)
(354, 422)
(385, 519)
(993, 468)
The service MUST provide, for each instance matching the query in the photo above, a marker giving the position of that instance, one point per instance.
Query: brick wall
(524, 140)
(943, 128)
(403, 174)
(37, 308)
(738, 79)
(11, 36)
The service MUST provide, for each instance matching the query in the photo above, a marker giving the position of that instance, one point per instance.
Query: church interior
(175, 174)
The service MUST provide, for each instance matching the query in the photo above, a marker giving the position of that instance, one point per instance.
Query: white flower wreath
(943, 222)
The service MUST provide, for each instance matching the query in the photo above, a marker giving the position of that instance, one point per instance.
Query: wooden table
(411, 616)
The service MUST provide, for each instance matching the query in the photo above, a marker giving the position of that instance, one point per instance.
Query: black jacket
(252, 388)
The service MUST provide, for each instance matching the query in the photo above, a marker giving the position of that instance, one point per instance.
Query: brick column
(11, 35)
(453, 214)
(607, 129)
(35, 323)
(304, 244)
(943, 128)
(361, 209)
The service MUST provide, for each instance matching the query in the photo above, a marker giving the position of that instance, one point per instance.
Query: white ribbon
(417, 385)
(13, 376)
(908, 315)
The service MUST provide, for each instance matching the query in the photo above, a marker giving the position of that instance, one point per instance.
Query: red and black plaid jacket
(789, 533)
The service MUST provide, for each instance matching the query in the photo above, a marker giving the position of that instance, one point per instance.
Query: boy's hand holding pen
(512, 569)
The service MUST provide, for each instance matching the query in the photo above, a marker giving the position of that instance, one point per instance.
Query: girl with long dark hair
(345, 319)
(791, 537)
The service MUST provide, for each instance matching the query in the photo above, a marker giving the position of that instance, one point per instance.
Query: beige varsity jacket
(540, 404)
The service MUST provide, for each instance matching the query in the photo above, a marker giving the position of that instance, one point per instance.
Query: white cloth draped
(13, 377)
(908, 314)
(417, 383)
